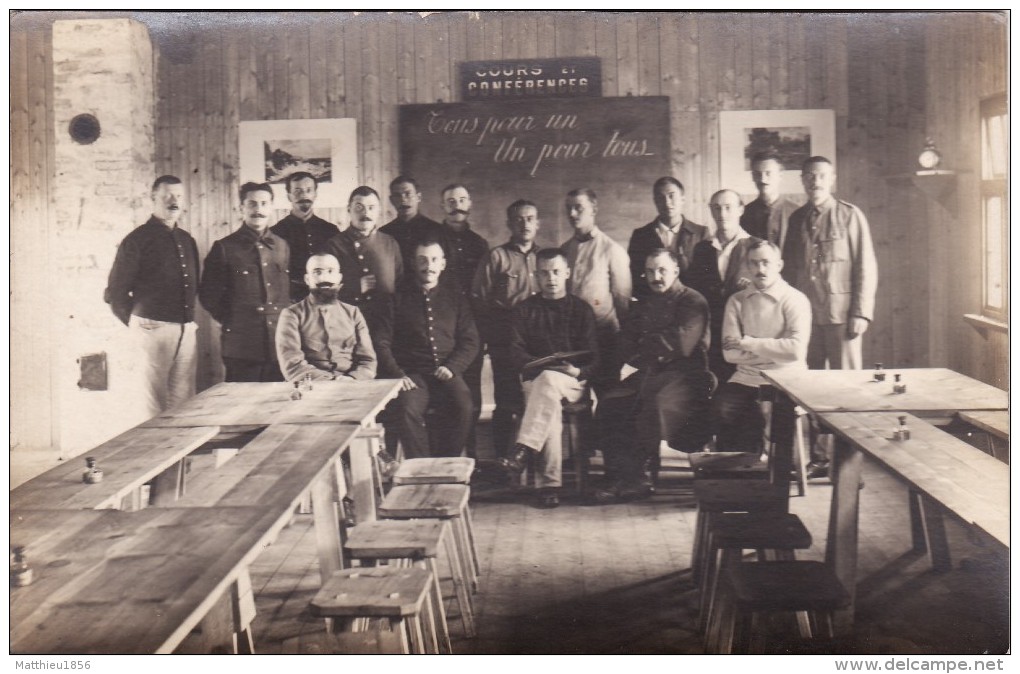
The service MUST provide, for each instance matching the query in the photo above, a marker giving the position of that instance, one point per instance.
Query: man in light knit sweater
(766, 326)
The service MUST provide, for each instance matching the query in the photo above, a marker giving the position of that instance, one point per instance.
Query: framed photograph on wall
(794, 135)
(327, 148)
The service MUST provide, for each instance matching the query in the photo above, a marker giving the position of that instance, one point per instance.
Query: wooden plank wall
(967, 62)
(32, 162)
(872, 70)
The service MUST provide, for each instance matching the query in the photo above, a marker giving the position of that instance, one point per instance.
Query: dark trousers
(451, 426)
(509, 398)
(737, 419)
(473, 379)
(242, 369)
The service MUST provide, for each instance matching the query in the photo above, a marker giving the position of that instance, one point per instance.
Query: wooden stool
(727, 466)
(416, 542)
(397, 594)
(732, 533)
(438, 470)
(438, 501)
(809, 588)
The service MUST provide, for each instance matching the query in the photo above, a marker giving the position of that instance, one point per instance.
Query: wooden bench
(995, 424)
(949, 474)
(128, 461)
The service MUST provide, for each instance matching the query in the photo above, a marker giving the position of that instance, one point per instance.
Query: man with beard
(369, 260)
(303, 230)
(427, 339)
(245, 286)
(505, 278)
(152, 289)
(320, 335)
(410, 227)
(465, 250)
(717, 270)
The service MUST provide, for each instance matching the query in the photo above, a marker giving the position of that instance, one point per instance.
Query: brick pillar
(103, 68)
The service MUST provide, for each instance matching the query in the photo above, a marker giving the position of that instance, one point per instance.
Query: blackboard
(539, 150)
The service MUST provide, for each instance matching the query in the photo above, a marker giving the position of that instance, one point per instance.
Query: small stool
(438, 470)
(730, 496)
(438, 501)
(416, 542)
(728, 465)
(397, 594)
(732, 533)
(809, 588)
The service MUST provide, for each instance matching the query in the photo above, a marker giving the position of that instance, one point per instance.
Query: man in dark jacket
(427, 338)
(304, 231)
(672, 231)
(410, 227)
(245, 285)
(152, 290)
(554, 322)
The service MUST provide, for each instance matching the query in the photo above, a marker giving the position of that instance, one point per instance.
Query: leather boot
(517, 461)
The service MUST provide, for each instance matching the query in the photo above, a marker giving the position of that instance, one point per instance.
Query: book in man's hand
(575, 358)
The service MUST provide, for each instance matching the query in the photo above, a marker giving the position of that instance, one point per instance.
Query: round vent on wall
(84, 129)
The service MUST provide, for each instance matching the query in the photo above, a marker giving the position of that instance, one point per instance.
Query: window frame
(992, 186)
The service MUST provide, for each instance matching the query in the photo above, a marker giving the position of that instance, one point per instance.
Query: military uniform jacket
(245, 286)
(645, 239)
(304, 238)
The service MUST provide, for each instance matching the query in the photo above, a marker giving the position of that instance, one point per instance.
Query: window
(994, 208)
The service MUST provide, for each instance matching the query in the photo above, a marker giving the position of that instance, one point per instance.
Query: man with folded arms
(766, 326)
(320, 336)
(550, 323)
(427, 338)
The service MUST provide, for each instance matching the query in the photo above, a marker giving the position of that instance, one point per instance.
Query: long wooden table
(128, 461)
(111, 581)
(936, 394)
(262, 404)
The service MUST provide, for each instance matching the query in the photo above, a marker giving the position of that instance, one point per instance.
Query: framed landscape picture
(794, 135)
(270, 151)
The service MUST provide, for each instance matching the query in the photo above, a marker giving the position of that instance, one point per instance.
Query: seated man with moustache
(427, 338)
(554, 322)
(320, 335)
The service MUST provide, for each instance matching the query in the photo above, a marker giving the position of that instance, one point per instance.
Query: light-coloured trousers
(168, 352)
(542, 423)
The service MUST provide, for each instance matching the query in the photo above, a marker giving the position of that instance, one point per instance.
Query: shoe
(817, 470)
(547, 500)
(387, 464)
(635, 492)
(606, 495)
(517, 461)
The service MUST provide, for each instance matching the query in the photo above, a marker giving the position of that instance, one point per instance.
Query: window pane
(994, 249)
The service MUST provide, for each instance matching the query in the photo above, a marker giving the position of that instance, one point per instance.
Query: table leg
(362, 478)
(841, 543)
(327, 527)
(168, 486)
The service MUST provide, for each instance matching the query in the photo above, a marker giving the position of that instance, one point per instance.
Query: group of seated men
(652, 331)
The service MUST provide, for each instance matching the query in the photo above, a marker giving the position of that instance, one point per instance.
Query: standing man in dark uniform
(304, 231)
(672, 231)
(717, 271)
(427, 339)
(768, 216)
(152, 290)
(505, 278)
(410, 227)
(245, 286)
(465, 250)
(370, 261)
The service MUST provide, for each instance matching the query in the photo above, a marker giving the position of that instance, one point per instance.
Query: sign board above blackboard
(531, 78)
(539, 150)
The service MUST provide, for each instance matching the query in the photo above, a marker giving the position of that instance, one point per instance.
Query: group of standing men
(651, 329)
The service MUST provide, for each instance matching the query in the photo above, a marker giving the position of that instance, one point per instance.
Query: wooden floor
(585, 579)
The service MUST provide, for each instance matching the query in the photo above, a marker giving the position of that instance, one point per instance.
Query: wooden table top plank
(965, 480)
(108, 581)
(257, 403)
(995, 422)
(275, 469)
(128, 461)
(930, 391)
